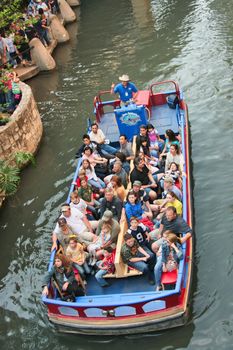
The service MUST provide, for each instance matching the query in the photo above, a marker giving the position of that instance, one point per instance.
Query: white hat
(124, 77)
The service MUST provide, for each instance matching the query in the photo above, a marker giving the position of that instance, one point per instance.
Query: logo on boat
(130, 118)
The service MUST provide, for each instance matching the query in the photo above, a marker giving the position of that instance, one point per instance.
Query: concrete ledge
(24, 131)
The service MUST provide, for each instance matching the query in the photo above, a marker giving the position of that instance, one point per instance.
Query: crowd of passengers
(88, 227)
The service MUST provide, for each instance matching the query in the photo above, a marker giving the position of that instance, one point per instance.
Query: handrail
(166, 82)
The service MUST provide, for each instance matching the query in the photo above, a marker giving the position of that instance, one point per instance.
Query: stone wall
(24, 131)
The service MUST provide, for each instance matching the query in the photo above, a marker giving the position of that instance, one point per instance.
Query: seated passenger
(142, 134)
(92, 157)
(65, 279)
(174, 156)
(119, 171)
(126, 148)
(143, 198)
(133, 207)
(170, 187)
(111, 203)
(94, 146)
(168, 257)
(156, 143)
(105, 266)
(98, 136)
(103, 240)
(127, 91)
(81, 175)
(93, 180)
(100, 164)
(77, 256)
(174, 172)
(78, 224)
(62, 234)
(170, 139)
(118, 189)
(152, 164)
(140, 233)
(119, 156)
(86, 193)
(141, 173)
(115, 227)
(172, 222)
(135, 256)
(80, 204)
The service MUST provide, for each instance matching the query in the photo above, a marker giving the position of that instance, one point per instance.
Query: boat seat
(143, 98)
(169, 277)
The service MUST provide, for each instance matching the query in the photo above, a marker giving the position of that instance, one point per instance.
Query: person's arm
(54, 241)
(87, 223)
(112, 88)
(160, 229)
(46, 281)
(179, 252)
(186, 237)
(99, 160)
(141, 250)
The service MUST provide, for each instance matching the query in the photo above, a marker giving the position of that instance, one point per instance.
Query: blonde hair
(82, 172)
(74, 195)
(107, 226)
(172, 237)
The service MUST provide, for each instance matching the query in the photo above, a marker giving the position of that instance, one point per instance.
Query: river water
(189, 41)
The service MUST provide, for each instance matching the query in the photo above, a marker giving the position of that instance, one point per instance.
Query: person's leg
(80, 270)
(108, 149)
(99, 276)
(158, 271)
(94, 183)
(86, 268)
(140, 266)
(94, 224)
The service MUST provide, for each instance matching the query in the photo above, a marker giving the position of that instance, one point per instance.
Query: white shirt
(74, 221)
(99, 137)
(81, 206)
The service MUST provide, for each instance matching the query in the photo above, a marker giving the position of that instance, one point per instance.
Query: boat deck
(162, 117)
(119, 285)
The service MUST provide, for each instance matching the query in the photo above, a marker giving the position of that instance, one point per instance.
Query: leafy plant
(23, 158)
(9, 178)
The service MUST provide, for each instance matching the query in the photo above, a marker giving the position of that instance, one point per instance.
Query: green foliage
(23, 158)
(11, 11)
(9, 174)
(9, 178)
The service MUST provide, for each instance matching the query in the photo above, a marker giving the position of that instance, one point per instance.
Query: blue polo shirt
(125, 93)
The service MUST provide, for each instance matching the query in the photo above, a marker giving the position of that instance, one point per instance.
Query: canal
(187, 40)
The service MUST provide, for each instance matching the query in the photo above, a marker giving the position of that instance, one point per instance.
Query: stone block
(41, 56)
(66, 11)
(59, 33)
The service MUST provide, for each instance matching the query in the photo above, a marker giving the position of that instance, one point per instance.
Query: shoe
(93, 262)
(105, 285)
(159, 288)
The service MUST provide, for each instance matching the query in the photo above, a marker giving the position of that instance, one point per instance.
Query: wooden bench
(123, 270)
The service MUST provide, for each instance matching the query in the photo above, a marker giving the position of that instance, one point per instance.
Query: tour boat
(130, 305)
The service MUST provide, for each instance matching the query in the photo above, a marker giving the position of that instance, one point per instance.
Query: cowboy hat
(124, 77)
